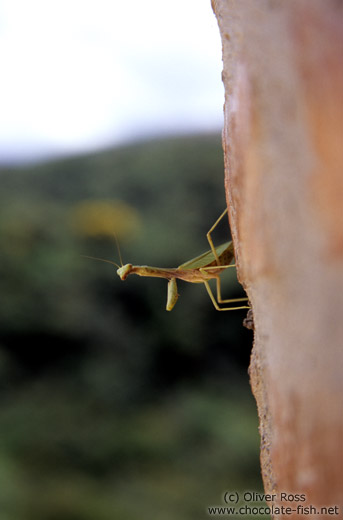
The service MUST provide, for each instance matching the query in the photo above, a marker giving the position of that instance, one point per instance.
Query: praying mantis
(200, 269)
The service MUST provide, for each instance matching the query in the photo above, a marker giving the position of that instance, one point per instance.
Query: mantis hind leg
(209, 238)
(219, 299)
(232, 300)
(216, 303)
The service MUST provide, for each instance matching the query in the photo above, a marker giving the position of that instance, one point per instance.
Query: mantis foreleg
(172, 294)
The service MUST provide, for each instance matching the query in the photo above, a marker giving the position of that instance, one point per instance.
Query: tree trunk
(283, 145)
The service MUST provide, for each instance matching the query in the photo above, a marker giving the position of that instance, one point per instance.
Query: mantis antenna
(101, 260)
(109, 261)
(118, 249)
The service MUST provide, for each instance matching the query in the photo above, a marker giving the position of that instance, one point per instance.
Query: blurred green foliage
(112, 408)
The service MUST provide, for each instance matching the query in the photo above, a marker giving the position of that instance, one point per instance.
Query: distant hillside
(108, 402)
(175, 184)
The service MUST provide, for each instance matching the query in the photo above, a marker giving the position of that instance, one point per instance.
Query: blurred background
(112, 408)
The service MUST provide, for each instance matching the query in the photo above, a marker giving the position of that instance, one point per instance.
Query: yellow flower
(104, 218)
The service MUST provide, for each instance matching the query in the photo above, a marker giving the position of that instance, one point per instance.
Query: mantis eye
(124, 271)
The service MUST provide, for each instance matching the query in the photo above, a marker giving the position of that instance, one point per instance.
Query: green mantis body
(200, 269)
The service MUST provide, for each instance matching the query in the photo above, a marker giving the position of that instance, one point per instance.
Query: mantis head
(124, 271)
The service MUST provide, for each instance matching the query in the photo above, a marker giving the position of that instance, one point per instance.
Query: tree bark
(283, 145)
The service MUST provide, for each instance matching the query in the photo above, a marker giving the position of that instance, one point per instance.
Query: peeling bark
(283, 146)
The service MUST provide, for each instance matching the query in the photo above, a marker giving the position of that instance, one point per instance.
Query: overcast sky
(82, 74)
